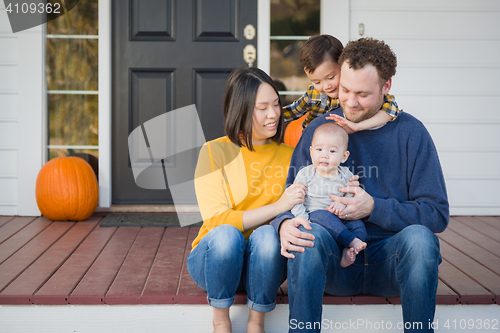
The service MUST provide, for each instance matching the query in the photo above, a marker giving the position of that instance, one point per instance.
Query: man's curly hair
(364, 51)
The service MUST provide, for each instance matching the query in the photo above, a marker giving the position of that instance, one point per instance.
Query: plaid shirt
(317, 104)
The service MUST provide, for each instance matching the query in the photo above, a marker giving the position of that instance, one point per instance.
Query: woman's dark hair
(319, 49)
(239, 103)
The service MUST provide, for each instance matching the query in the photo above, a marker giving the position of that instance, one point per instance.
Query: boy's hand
(347, 125)
(336, 208)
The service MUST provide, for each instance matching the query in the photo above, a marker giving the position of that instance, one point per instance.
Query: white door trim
(104, 78)
(263, 34)
(32, 120)
(335, 19)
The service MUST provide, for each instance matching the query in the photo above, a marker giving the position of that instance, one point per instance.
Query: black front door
(168, 55)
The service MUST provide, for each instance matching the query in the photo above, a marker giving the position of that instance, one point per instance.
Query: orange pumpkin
(293, 131)
(66, 189)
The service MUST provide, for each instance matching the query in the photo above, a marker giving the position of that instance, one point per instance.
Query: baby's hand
(336, 208)
(347, 125)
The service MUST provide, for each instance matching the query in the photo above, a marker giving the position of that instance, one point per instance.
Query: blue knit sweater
(398, 166)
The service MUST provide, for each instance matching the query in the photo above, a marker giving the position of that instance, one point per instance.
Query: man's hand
(353, 181)
(292, 239)
(358, 207)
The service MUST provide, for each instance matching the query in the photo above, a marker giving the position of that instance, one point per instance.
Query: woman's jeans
(223, 263)
(405, 264)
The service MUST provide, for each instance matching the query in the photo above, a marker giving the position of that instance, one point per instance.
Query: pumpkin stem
(60, 154)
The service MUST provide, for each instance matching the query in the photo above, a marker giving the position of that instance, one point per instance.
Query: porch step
(198, 318)
(47, 262)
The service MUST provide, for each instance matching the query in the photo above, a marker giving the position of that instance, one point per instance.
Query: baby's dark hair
(334, 129)
(319, 49)
(364, 51)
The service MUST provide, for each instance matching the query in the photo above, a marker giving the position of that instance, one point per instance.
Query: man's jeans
(223, 263)
(405, 265)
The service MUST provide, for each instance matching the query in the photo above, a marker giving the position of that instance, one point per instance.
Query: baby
(324, 177)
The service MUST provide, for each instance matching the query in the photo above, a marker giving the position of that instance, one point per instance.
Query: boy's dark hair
(239, 103)
(364, 51)
(319, 49)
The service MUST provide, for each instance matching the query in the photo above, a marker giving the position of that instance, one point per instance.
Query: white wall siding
(9, 105)
(8, 116)
(447, 76)
(8, 73)
(8, 169)
(22, 108)
(8, 53)
(4, 22)
(8, 134)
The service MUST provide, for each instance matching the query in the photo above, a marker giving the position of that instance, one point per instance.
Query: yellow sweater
(230, 180)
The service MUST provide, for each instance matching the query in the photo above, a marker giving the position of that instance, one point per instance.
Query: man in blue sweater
(401, 198)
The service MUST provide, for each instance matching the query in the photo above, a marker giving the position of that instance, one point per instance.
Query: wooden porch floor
(47, 262)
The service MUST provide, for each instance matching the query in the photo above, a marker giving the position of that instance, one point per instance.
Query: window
(292, 23)
(72, 83)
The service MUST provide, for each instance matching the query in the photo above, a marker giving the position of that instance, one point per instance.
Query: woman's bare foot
(222, 328)
(348, 257)
(222, 322)
(256, 322)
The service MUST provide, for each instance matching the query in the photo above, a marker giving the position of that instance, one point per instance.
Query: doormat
(150, 220)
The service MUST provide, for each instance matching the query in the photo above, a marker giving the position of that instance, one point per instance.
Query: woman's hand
(294, 194)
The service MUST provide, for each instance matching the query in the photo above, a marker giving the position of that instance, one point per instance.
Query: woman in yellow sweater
(240, 186)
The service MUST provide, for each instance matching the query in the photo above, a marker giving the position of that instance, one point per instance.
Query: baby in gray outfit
(324, 177)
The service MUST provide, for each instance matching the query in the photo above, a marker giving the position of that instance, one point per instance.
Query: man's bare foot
(348, 257)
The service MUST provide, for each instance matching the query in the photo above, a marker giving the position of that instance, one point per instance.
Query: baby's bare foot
(348, 257)
(358, 245)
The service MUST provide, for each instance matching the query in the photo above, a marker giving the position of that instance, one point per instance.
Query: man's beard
(366, 113)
